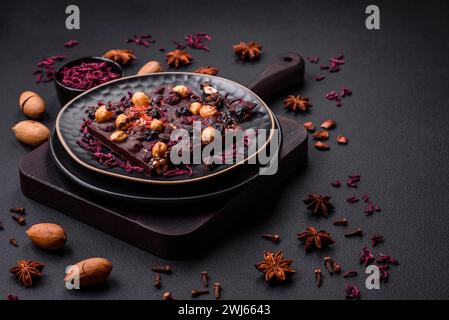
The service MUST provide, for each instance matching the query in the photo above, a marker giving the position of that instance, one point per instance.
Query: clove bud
(318, 277)
(217, 290)
(167, 296)
(20, 220)
(157, 280)
(197, 293)
(204, 279)
(271, 237)
(18, 210)
(162, 269)
(356, 233)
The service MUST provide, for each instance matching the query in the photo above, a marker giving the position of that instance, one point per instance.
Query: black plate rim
(160, 182)
(122, 196)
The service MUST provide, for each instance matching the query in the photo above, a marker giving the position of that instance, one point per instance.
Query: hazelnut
(183, 91)
(195, 107)
(160, 166)
(208, 111)
(32, 104)
(159, 149)
(209, 134)
(122, 122)
(209, 90)
(157, 125)
(140, 99)
(103, 114)
(118, 136)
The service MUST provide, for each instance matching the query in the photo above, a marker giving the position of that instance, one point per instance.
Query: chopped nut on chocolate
(118, 136)
(159, 149)
(140, 99)
(157, 125)
(102, 114)
(183, 91)
(209, 134)
(122, 122)
(208, 111)
(195, 107)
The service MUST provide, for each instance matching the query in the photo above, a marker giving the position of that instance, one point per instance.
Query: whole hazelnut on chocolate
(195, 107)
(208, 111)
(118, 136)
(140, 99)
(103, 114)
(160, 166)
(159, 150)
(157, 125)
(31, 104)
(122, 122)
(183, 91)
(209, 134)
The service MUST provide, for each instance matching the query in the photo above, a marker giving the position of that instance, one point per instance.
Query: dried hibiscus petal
(336, 184)
(71, 43)
(352, 292)
(88, 75)
(383, 258)
(367, 256)
(377, 239)
(352, 199)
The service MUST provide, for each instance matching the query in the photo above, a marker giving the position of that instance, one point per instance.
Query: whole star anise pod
(248, 50)
(122, 56)
(177, 58)
(212, 71)
(315, 239)
(320, 205)
(275, 267)
(27, 271)
(294, 103)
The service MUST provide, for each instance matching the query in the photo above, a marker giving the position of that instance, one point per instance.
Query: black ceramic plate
(129, 191)
(72, 114)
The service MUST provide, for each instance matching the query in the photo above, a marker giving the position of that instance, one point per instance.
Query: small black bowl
(65, 94)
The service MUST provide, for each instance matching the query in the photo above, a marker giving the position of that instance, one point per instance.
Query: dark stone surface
(396, 122)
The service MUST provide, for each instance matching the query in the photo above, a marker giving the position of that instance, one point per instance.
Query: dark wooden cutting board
(169, 232)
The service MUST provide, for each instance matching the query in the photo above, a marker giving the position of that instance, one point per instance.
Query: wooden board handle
(284, 71)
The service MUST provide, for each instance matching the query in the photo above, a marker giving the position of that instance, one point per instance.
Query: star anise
(294, 103)
(275, 267)
(248, 50)
(27, 271)
(212, 71)
(315, 239)
(122, 56)
(177, 58)
(320, 205)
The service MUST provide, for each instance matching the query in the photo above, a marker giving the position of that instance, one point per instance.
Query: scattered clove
(331, 265)
(18, 210)
(197, 293)
(341, 222)
(167, 296)
(1, 226)
(20, 220)
(157, 280)
(271, 237)
(318, 277)
(13, 242)
(162, 269)
(356, 233)
(204, 279)
(217, 290)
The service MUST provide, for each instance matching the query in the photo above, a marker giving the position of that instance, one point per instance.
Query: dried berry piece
(367, 256)
(178, 58)
(315, 239)
(309, 126)
(27, 271)
(11, 297)
(275, 267)
(352, 292)
(350, 274)
(341, 139)
(321, 145)
(328, 124)
(212, 71)
(321, 135)
(121, 56)
(295, 103)
(320, 205)
(248, 50)
(377, 239)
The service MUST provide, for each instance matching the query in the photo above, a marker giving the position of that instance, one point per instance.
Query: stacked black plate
(78, 165)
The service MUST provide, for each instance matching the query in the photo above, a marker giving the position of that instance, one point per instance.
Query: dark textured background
(396, 122)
